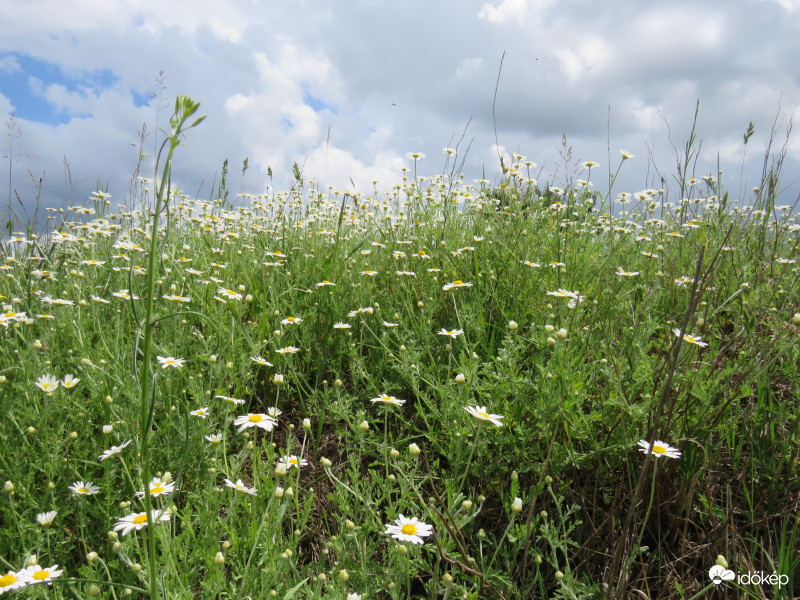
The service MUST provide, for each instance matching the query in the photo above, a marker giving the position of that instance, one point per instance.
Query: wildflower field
(449, 389)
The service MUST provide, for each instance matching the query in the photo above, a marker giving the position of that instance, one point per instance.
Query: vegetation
(445, 390)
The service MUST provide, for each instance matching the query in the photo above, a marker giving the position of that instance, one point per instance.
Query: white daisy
(386, 399)
(200, 412)
(14, 580)
(167, 362)
(408, 530)
(46, 518)
(158, 488)
(139, 520)
(454, 333)
(113, 450)
(84, 489)
(659, 449)
(692, 339)
(260, 361)
(479, 412)
(261, 420)
(37, 574)
(47, 383)
(240, 486)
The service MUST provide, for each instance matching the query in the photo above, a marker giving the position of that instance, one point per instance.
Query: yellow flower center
(140, 519)
(83, 490)
(41, 575)
(255, 419)
(294, 461)
(659, 449)
(7, 580)
(457, 282)
(483, 415)
(157, 489)
(409, 529)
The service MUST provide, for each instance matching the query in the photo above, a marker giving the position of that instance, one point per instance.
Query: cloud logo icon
(718, 574)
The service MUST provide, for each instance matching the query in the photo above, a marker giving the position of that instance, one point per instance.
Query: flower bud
(413, 449)
(516, 506)
(363, 426)
(722, 562)
(306, 424)
(460, 378)
(219, 558)
(512, 325)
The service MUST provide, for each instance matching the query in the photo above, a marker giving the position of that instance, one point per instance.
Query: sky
(346, 88)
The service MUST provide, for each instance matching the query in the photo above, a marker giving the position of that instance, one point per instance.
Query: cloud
(506, 10)
(349, 87)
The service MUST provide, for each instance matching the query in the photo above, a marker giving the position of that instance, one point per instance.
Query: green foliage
(581, 331)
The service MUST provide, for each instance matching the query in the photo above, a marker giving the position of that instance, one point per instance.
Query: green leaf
(293, 591)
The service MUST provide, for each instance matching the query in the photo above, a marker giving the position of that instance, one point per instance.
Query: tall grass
(297, 371)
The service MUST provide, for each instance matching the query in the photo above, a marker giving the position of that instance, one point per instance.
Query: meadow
(449, 389)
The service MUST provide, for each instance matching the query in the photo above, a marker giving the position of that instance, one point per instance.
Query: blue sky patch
(24, 79)
(315, 103)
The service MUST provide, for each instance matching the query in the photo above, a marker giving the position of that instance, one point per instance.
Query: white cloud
(506, 10)
(253, 66)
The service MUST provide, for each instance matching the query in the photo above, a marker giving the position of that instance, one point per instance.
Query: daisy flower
(324, 283)
(479, 412)
(14, 581)
(659, 449)
(562, 293)
(47, 383)
(274, 412)
(623, 273)
(70, 381)
(158, 488)
(292, 321)
(386, 399)
(692, 339)
(408, 530)
(200, 412)
(293, 461)
(84, 489)
(341, 325)
(233, 400)
(229, 294)
(453, 334)
(45, 519)
(113, 450)
(170, 362)
(37, 574)
(240, 486)
(261, 420)
(214, 438)
(288, 350)
(139, 520)
(388, 324)
(456, 284)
